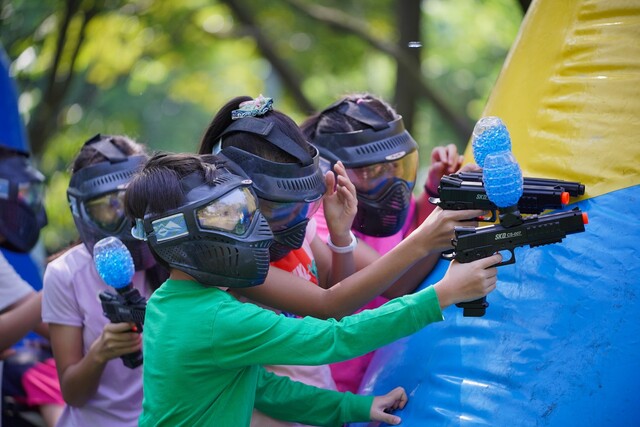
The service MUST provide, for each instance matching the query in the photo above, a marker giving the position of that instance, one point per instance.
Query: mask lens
(283, 215)
(107, 211)
(373, 180)
(30, 193)
(233, 212)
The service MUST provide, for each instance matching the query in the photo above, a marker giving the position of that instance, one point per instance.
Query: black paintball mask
(96, 199)
(289, 193)
(22, 213)
(218, 235)
(382, 163)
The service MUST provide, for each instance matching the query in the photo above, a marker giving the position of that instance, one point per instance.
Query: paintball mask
(22, 213)
(289, 193)
(382, 163)
(217, 235)
(96, 198)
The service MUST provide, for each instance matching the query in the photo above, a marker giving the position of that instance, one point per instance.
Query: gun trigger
(511, 260)
(434, 201)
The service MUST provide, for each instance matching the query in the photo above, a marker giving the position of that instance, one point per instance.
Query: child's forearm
(307, 404)
(79, 373)
(22, 318)
(284, 291)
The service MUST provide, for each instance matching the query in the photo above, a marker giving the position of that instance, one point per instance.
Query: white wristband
(343, 249)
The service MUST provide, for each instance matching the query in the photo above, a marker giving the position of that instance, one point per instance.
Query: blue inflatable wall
(560, 343)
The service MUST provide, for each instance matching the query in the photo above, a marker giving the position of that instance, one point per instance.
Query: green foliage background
(159, 70)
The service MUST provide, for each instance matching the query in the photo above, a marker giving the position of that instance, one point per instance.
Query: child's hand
(117, 339)
(470, 167)
(438, 229)
(340, 205)
(468, 281)
(382, 405)
(444, 161)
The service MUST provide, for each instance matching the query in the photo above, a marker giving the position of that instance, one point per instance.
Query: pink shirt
(348, 374)
(71, 287)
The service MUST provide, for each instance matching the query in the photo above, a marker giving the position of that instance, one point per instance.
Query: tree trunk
(409, 17)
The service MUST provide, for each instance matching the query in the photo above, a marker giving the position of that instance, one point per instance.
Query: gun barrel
(472, 243)
(458, 194)
(572, 187)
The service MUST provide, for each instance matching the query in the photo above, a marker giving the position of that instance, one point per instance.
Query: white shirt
(12, 286)
(12, 289)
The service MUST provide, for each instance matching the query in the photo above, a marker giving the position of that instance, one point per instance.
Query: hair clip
(256, 107)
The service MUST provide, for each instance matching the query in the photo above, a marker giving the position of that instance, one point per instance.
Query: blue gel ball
(490, 135)
(502, 178)
(113, 262)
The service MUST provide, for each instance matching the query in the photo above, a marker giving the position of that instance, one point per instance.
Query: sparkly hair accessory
(256, 107)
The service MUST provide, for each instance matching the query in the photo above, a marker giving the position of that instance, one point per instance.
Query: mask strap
(361, 112)
(268, 131)
(105, 146)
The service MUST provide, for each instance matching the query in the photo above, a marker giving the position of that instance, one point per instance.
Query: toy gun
(466, 190)
(471, 243)
(115, 266)
(127, 307)
(503, 182)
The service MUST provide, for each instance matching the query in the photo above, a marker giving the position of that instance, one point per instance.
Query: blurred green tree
(158, 70)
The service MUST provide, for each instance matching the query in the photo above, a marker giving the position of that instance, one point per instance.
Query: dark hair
(331, 120)
(157, 187)
(88, 155)
(250, 142)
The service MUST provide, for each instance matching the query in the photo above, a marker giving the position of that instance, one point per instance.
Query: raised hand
(340, 204)
(445, 160)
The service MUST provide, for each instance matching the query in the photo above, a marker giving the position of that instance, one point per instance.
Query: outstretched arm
(287, 400)
(293, 294)
(260, 337)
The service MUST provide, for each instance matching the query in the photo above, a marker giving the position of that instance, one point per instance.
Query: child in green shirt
(204, 350)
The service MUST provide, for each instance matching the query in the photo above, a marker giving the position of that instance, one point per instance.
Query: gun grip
(132, 360)
(475, 308)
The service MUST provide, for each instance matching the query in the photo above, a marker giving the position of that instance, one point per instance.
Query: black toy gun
(130, 307)
(115, 267)
(465, 190)
(472, 243)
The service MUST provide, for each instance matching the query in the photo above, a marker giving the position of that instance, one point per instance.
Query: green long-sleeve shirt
(204, 351)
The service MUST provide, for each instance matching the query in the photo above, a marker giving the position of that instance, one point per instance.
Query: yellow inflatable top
(572, 103)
